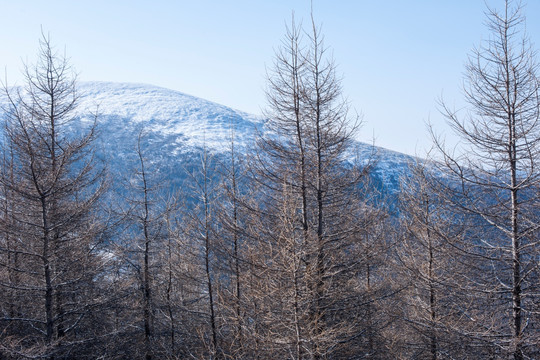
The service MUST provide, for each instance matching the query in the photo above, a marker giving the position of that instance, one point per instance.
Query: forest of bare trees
(288, 250)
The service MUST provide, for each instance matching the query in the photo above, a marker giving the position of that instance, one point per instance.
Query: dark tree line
(288, 251)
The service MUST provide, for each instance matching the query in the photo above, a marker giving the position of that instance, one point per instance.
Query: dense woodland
(288, 251)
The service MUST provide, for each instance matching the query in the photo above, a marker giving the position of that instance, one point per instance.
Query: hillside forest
(286, 250)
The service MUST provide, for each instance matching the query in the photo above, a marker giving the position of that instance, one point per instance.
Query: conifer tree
(498, 175)
(52, 221)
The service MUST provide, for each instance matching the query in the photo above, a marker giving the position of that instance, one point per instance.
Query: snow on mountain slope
(177, 127)
(193, 122)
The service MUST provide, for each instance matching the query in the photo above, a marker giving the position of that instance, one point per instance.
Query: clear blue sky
(397, 57)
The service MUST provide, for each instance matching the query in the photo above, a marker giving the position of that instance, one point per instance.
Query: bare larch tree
(499, 175)
(57, 183)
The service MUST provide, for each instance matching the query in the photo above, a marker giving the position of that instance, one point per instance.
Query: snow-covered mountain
(177, 127)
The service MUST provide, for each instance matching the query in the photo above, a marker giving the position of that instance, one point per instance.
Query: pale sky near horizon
(396, 57)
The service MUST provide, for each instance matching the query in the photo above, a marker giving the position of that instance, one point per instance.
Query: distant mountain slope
(178, 126)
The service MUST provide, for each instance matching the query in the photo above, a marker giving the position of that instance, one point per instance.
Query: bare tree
(150, 225)
(232, 265)
(310, 196)
(427, 267)
(184, 287)
(147, 246)
(499, 177)
(57, 183)
(201, 244)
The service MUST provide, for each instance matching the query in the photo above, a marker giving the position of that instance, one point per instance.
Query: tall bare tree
(57, 183)
(310, 191)
(499, 177)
